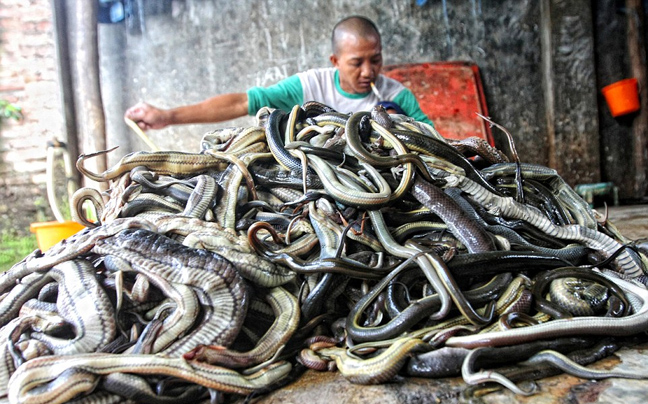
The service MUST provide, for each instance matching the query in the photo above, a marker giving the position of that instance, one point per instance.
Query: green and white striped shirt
(323, 85)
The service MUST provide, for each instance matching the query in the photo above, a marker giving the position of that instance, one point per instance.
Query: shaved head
(356, 26)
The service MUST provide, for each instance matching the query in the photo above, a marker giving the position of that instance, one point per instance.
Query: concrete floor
(331, 387)
(631, 220)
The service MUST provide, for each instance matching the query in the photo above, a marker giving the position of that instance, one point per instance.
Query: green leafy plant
(10, 111)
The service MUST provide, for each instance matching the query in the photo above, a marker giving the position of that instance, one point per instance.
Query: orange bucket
(50, 233)
(622, 97)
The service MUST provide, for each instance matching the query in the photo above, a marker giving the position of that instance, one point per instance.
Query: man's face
(358, 61)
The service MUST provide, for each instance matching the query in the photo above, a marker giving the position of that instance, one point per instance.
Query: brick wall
(29, 79)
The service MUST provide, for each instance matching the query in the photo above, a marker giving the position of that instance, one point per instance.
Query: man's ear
(334, 60)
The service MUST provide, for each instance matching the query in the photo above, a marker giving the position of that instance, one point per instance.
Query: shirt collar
(338, 87)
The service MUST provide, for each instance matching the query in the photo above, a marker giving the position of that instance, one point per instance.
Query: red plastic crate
(450, 94)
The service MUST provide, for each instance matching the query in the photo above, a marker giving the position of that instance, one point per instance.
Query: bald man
(346, 87)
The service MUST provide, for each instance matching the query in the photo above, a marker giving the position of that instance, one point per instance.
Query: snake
(137, 388)
(77, 201)
(219, 284)
(340, 265)
(403, 157)
(84, 305)
(163, 162)
(350, 241)
(377, 369)
(628, 325)
(185, 311)
(70, 248)
(474, 145)
(570, 367)
(562, 305)
(571, 201)
(286, 311)
(56, 379)
(434, 268)
(447, 361)
(508, 207)
(348, 194)
(277, 144)
(470, 233)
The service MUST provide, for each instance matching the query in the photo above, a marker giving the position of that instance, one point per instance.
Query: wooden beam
(547, 79)
(569, 89)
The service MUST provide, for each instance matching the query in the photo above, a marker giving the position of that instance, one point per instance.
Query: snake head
(364, 128)
(201, 351)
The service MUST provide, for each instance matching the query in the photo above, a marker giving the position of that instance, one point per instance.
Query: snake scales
(313, 239)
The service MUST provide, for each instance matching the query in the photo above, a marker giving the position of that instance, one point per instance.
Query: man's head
(357, 53)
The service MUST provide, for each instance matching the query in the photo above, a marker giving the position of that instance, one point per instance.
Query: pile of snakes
(362, 243)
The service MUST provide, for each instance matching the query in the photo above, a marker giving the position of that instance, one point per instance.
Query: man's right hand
(147, 116)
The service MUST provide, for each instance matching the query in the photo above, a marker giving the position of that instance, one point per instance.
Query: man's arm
(215, 109)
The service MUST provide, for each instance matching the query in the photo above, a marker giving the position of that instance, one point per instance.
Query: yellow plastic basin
(50, 233)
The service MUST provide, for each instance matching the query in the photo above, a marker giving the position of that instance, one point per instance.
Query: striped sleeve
(284, 95)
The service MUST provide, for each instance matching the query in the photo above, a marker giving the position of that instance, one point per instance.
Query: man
(345, 87)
